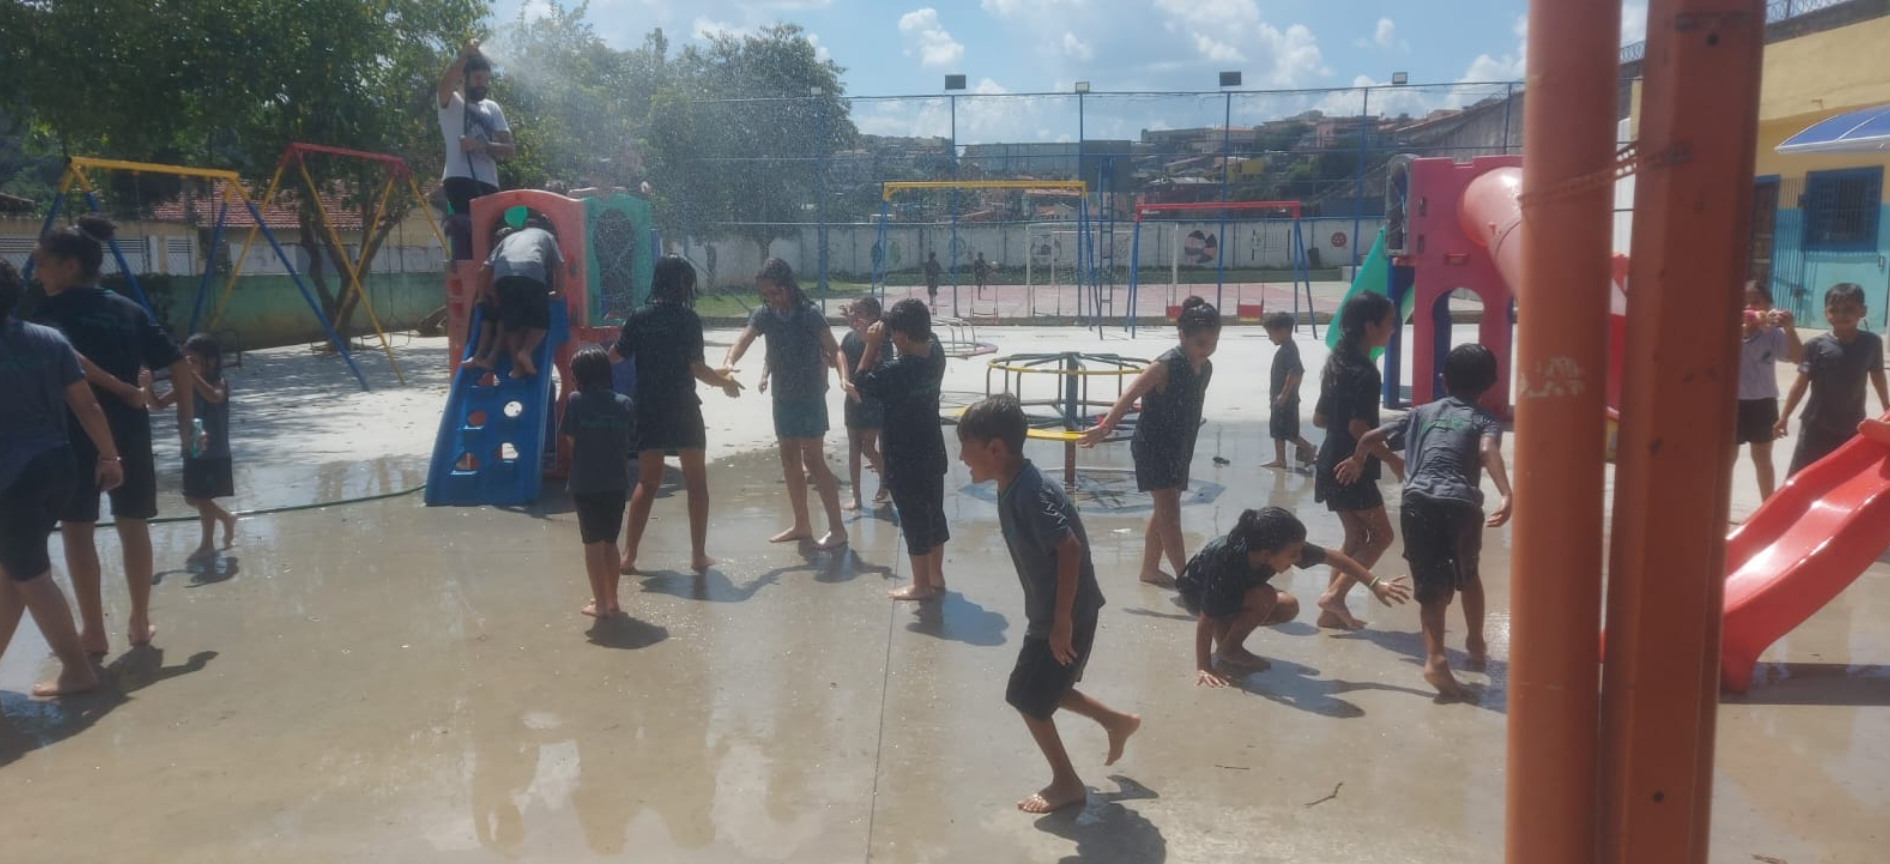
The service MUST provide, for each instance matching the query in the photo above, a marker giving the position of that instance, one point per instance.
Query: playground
(464, 717)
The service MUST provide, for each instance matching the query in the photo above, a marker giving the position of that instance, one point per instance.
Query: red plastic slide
(1802, 547)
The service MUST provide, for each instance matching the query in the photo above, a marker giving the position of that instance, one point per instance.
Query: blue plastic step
(494, 432)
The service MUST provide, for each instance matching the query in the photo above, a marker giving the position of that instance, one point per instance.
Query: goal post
(1058, 252)
(1214, 248)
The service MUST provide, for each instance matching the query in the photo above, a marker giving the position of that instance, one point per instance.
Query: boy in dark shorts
(1767, 339)
(1447, 443)
(520, 274)
(915, 459)
(1283, 392)
(1050, 551)
(599, 421)
(932, 271)
(1834, 367)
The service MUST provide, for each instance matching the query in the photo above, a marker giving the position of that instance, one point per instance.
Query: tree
(742, 132)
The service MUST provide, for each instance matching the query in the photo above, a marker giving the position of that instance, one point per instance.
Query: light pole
(954, 83)
(1082, 89)
(1228, 79)
(820, 186)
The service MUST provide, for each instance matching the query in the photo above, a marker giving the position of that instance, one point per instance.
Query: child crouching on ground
(1225, 584)
(1446, 445)
(1050, 551)
(599, 421)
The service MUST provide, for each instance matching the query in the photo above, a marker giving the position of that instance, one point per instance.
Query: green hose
(267, 511)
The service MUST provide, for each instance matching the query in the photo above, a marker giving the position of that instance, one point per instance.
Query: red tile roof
(279, 215)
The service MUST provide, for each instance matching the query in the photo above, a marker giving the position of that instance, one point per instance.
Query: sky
(906, 47)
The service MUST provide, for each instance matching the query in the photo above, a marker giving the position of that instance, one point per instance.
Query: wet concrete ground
(387, 682)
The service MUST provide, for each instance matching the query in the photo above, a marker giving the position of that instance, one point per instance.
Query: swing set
(229, 190)
(1089, 295)
(395, 173)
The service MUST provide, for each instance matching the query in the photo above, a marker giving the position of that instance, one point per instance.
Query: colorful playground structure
(496, 441)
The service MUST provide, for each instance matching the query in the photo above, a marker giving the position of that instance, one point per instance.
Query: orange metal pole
(1562, 370)
(1672, 489)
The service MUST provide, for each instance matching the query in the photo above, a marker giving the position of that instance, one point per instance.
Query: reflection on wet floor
(388, 682)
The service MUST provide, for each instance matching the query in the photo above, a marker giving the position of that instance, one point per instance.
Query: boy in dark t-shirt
(1834, 369)
(1283, 393)
(913, 443)
(599, 421)
(1447, 445)
(1050, 551)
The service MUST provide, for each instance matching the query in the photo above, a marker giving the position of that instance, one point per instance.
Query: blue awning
(1866, 131)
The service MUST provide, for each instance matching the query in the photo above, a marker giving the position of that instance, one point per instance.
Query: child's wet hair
(1267, 529)
(591, 368)
(674, 281)
(1278, 321)
(205, 346)
(995, 418)
(911, 317)
(866, 307)
(1469, 369)
(84, 242)
(1197, 315)
(1359, 313)
(780, 273)
(1844, 292)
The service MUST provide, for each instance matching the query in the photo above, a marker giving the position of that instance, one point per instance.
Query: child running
(1172, 391)
(864, 415)
(1447, 444)
(1283, 393)
(800, 347)
(1050, 551)
(932, 272)
(664, 339)
(209, 472)
(1225, 584)
(1347, 409)
(915, 445)
(1768, 339)
(1834, 367)
(599, 421)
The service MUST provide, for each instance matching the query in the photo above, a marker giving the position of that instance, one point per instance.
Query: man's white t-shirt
(483, 121)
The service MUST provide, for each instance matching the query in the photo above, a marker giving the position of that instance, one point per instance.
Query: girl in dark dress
(865, 416)
(1347, 409)
(1172, 391)
(665, 338)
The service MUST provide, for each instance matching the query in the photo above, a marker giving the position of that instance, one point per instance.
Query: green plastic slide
(1374, 276)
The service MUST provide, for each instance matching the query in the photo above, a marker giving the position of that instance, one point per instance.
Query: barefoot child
(208, 470)
(1447, 444)
(865, 415)
(1834, 368)
(1768, 339)
(800, 348)
(40, 382)
(1283, 395)
(1347, 409)
(915, 446)
(1225, 584)
(932, 271)
(522, 272)
(1172, 391)
(1050, 551)
(599, 422)
(664, 338)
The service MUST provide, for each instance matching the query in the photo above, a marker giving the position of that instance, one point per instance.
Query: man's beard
(476, 94)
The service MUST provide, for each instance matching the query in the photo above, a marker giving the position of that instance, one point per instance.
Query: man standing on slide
(473, 129)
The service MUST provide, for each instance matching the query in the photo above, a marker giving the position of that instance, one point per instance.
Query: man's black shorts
(1039, 682)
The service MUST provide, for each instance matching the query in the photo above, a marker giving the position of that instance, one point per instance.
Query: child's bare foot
(614, 610)
(1479, 652)
(1054, 797)
(596, 609)
(94, 645)
(882, 498)
(522, 366)
(1334, 616)
(70, 681)
(701, 562)
(1241, 657)
(628, 567)
(479, 363)
(1437, 674)
(850, 506)
(1307, 456)
(229, 531)
(831, 540)
(915, 591)
(140, 633)
(203, 553)
(1157, 578)
(1119, 732)
(1277, 463)
(790, 535)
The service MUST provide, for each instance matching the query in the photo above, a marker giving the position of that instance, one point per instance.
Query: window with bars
(1842, 209)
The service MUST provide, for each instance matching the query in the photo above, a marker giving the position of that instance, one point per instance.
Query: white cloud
(532, 10)
(1075, 47)
(1633, 23)
(1010, 8)
(820, 51)
(1386, 34)
(1509, 67)
(926, 37)
(704, 28)
(1219, 27)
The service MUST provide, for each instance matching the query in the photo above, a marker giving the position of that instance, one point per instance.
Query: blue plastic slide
(494, 432)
